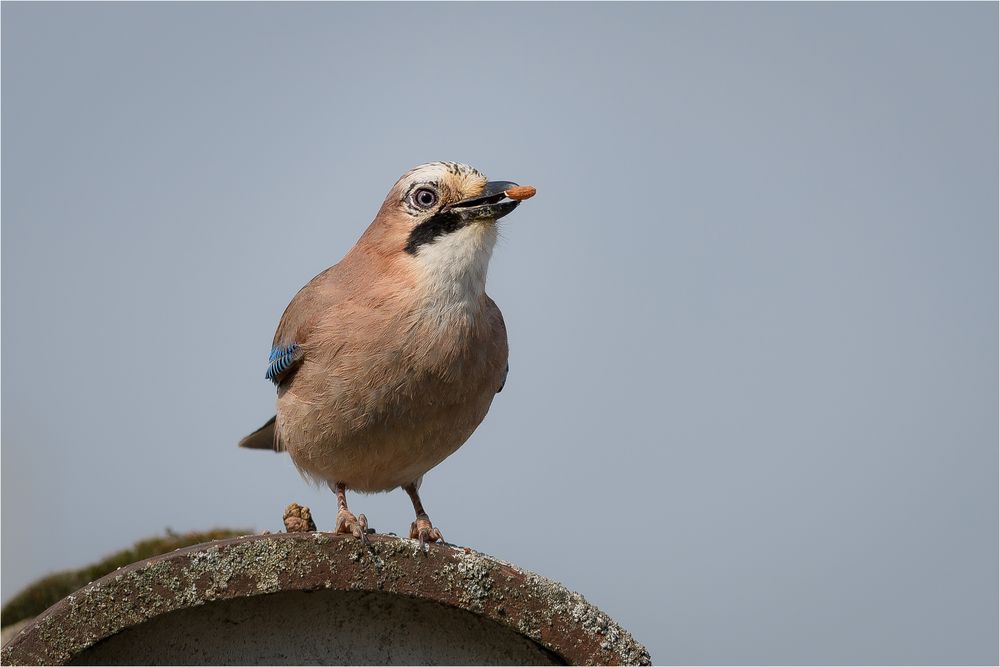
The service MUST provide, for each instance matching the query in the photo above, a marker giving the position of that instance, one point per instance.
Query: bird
(386, 362)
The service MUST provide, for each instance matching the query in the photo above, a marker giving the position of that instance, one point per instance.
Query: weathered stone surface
(318, 627)
(559, 621)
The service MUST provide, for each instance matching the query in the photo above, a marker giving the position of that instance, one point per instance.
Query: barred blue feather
(282, 358)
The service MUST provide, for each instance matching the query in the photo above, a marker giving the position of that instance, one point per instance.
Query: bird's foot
(422, 530)
(298, 519)
(349, 524)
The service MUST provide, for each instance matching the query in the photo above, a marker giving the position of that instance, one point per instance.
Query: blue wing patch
(281, 359)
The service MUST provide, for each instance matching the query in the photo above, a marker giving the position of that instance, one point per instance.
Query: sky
(752, 310)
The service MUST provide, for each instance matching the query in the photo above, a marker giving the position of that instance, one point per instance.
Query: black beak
(489, 205)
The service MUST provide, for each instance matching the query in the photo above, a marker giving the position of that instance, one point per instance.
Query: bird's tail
(266, 437)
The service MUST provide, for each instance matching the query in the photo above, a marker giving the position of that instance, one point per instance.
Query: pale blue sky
(752, 406)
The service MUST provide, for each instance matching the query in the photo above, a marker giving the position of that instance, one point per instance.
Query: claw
(362, 528)
(357, 526)
(422, 530)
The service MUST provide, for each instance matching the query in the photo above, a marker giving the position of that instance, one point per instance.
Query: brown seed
(521, 192)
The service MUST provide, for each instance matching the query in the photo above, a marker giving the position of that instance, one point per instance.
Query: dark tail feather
(264, 438)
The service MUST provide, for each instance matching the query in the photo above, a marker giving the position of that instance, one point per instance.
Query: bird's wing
(288, 348)
(283, 361)
(292, 343)
(499, 337)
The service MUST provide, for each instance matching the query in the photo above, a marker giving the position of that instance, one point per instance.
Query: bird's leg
(346, 522)
(421, 528)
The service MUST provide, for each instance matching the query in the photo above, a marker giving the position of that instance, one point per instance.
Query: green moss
(45, 592)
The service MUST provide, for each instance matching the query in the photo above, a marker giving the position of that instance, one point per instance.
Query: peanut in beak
(521, 192)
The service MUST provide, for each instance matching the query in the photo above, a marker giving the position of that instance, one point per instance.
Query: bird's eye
(425, 197)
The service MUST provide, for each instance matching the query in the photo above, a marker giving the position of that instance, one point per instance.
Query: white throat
(454, 266)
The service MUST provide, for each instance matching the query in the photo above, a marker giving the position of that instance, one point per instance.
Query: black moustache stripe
(427, 231)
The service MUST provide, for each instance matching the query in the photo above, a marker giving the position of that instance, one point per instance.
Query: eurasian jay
(386, 362)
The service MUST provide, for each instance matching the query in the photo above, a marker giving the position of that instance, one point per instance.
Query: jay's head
(440, 219)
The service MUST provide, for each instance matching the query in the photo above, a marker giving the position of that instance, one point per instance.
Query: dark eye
(425, 197)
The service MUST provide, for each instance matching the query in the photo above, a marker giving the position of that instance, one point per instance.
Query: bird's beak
(488, 205)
